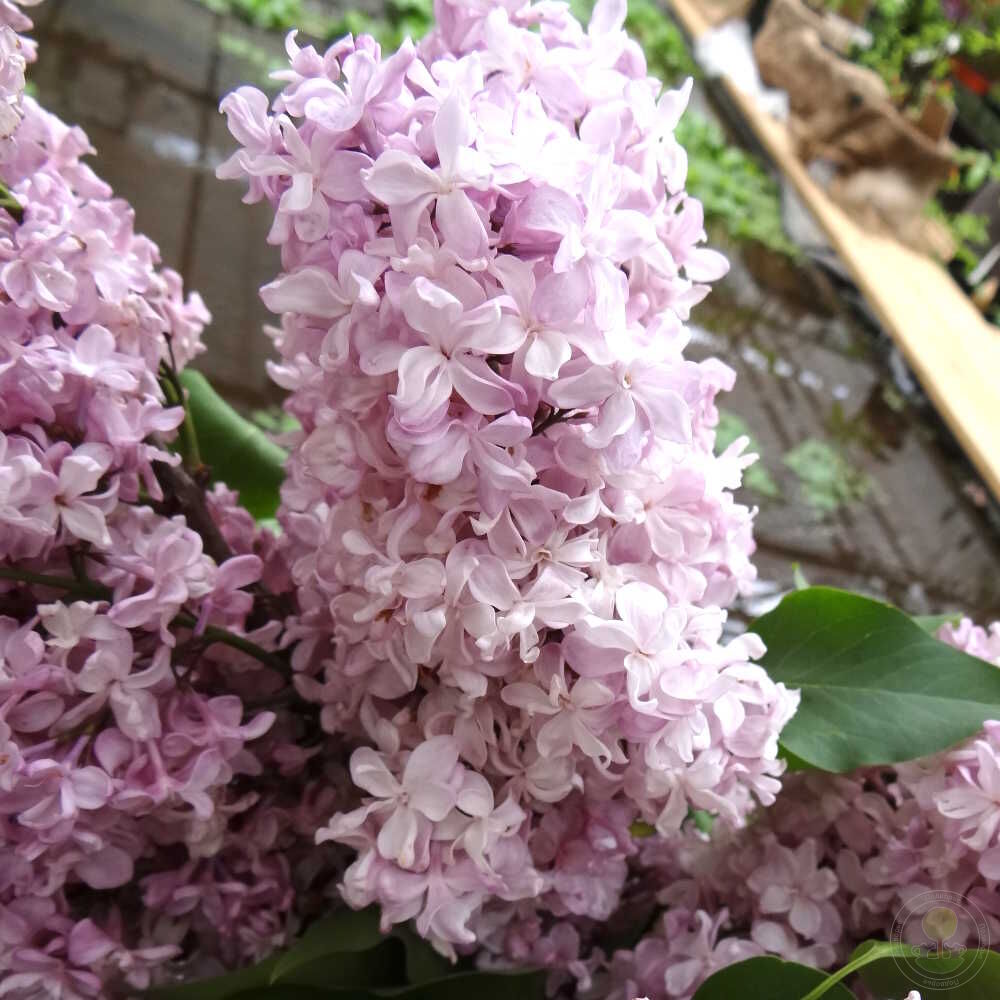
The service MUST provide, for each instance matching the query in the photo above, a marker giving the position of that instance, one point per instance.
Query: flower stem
(550, 420)
(95, 591)
(84, 588)
(13, 207)
(187, 436)
(212, 634)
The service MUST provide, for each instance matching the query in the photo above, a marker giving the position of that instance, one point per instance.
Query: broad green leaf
(971, 975)
(349, 950)
(461, 986)
(237, 453)
(864, 954)
(794, 763)
(381, 966)
(767, 979)
(346, 932)
(346, 957)
(287, 992)
(876, 688)
(423, 963)
(474, 986)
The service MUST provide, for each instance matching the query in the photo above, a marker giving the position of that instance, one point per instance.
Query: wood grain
(951, 348)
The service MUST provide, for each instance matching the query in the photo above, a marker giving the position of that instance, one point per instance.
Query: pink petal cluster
(126, 749)
(834, 862)
(511, 541)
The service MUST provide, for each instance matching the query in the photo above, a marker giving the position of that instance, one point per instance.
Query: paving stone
(158, 189)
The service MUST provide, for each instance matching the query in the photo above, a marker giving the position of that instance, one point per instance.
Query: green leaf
(381, 966)
(423, 963)
(349, 950)
(346, 932)
(876, 688)
(461, 986)
(238, 453)
(767, 979)
(475, 986)
(864, 954)
(286, 992)
(970, 975)
(794, 763)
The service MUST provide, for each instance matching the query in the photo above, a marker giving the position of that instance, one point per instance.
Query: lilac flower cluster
(511, 541)
(480, 679)
(123, 736)
(834, 862)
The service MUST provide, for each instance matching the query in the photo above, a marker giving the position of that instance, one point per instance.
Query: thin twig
(176, 482)
(173, 390)
(211, 633)
(555, 416)
(85, 588)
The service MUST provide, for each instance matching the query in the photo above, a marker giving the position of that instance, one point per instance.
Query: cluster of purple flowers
(511, 540)
(124, 757)
(480, 678)
(835, 862)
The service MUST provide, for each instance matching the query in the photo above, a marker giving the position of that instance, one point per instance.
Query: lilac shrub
(478, 678)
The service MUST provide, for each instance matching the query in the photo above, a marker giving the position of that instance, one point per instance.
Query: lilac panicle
(511, 540)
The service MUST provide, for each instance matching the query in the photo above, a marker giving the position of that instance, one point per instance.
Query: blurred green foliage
(735, 189)
(732, 185)
(277, 15)
(827, 481)
(756, 477)
(402, 19)
(914, 41)
(913, 45)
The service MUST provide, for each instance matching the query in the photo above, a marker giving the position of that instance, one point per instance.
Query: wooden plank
(951, 348)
